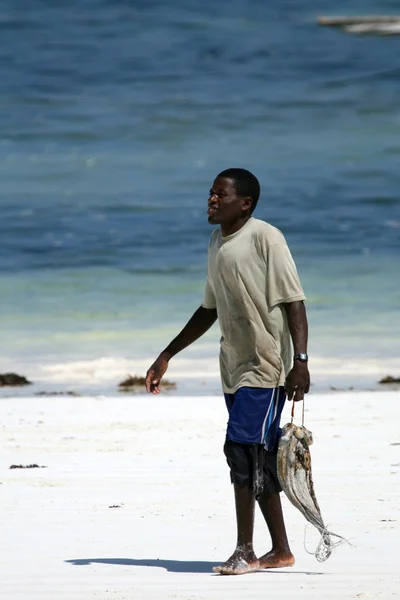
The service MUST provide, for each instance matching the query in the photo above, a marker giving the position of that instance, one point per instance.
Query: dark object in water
(134, 382)
(389, 379)
(381, 25)
(339, 21)
(34, 466)
(12, 379)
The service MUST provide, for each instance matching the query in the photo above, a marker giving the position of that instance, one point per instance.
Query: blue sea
(115, 117)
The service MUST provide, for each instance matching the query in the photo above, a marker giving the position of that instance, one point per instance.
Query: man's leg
(243, 560)
(280, 554)
(253, 413)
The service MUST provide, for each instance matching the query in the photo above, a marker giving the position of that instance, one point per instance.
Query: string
(302, 413)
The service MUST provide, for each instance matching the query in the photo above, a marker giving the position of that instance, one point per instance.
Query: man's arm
(197, 325)
(298, 379)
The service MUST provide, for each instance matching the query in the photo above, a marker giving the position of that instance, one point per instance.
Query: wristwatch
(301, 356)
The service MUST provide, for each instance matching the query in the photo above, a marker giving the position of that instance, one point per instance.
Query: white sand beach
(135, 500)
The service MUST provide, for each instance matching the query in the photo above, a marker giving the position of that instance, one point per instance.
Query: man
(254, 291)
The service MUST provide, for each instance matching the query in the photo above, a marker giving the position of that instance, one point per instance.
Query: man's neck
(228, 229)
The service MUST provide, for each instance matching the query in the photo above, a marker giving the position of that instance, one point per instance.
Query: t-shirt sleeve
(283, 283)
(208, 296)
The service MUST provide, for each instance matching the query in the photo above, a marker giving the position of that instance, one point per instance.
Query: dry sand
(158, 461)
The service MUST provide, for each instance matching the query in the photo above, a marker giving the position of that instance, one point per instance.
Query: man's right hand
(199, 323)
(155, 374)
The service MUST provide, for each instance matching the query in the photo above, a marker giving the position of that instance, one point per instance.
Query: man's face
(225, 207)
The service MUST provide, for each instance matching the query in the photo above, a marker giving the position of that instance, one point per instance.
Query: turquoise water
(116, 117)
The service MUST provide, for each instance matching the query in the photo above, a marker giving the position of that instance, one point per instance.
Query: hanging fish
(295, 477)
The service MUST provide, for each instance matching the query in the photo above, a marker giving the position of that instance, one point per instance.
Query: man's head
(233, 197)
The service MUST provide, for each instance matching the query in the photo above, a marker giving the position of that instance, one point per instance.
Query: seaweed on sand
(12, 379)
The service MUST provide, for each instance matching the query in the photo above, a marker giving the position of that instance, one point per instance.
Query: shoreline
(193, 375)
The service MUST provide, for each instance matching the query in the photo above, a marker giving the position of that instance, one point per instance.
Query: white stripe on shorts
(271, 404)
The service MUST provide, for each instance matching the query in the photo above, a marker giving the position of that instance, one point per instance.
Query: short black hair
(246, 184)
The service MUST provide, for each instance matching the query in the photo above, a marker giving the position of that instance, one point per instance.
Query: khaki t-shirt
(251, 274)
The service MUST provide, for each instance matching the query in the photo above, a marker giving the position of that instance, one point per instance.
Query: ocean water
(116, 116)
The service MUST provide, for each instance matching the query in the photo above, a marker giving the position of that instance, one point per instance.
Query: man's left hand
(298, 381)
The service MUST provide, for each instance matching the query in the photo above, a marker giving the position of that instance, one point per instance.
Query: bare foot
(239, 563)
(275, 560)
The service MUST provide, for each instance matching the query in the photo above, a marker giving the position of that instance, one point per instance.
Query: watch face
(302, 357)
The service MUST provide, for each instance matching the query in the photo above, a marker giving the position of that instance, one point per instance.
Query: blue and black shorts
(252, 437)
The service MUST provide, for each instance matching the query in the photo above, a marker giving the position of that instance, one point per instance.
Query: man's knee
(238, 459)
(252, 465)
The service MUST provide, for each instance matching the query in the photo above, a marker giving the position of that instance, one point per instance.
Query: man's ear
(246, 203)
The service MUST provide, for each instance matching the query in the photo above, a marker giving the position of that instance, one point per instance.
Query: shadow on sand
(174, 566)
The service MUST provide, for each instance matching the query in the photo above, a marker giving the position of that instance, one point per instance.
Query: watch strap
(301, 356)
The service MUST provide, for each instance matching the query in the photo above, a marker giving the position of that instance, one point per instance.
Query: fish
(295, 477)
